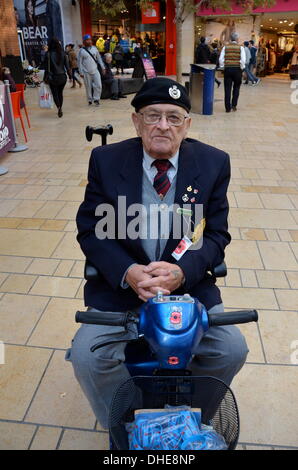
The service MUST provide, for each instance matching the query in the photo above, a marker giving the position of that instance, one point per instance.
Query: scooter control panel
(160, 298)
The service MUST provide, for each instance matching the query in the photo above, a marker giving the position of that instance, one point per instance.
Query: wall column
(188, 40)
(170, 39)
(86, 17)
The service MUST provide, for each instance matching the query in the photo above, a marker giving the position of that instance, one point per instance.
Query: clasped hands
(158, 276)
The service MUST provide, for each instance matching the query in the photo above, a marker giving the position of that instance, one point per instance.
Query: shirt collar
(147, 160)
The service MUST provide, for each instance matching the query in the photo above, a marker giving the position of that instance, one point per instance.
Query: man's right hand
(135, 275)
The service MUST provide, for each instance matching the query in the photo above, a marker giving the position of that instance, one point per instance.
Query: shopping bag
(45, 97)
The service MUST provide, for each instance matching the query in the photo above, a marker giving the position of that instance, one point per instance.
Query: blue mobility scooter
(170, 329)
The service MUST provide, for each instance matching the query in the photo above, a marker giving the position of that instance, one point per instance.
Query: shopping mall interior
(275, 34)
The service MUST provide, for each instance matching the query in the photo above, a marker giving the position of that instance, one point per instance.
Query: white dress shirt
(151, 170)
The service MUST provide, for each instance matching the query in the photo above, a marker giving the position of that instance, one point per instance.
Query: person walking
(214, 60)
(73, 63)
(203, 53)
(253, 59)
(250, 77)
(89, 63)
(232, 60)
(56, 66)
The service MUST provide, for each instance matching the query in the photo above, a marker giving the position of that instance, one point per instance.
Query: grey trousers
(221, 353)
(93, 86)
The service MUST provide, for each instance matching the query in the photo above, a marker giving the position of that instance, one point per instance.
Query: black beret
(161, 90)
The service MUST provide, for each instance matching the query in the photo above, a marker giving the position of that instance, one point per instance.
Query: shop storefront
(274, 30)
(40, 20)
(152, 28)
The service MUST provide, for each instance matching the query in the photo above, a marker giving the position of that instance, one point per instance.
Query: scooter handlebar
(92, 317)
(232, 318)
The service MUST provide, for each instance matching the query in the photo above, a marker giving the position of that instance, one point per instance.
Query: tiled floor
(41, 265)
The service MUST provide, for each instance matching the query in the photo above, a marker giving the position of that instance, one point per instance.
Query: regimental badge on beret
(174, 92)
(161, 90)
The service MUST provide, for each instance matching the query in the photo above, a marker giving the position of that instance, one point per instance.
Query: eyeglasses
(173, 119)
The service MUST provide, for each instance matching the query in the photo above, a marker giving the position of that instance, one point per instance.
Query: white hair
(234, 36)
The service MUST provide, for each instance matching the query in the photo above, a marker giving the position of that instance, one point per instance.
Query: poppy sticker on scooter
(175, 317)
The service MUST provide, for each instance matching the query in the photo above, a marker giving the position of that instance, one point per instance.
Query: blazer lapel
(130, 186)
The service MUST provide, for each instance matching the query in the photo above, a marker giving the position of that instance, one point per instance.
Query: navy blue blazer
(116, 170)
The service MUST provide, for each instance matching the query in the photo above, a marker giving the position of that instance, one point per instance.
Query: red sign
(151, 14)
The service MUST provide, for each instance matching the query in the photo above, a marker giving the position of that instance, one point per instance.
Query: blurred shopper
(73, 64)
(118, 56)
(250, 77)
(107, 43)
(89, 63)
(203, 53)
(214, 57)
(5, 74)
(253, 59)
(100, 44)
(124, 43)
(56, 66)
(232, 60)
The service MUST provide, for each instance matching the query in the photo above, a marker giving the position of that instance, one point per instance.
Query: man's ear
(187, 126)
(135, 119)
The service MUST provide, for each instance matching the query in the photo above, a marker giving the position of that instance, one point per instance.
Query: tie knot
(162, 165)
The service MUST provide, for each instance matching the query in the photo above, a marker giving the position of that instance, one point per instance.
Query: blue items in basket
(172, 429)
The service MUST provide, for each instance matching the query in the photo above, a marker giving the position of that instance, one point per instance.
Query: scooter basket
(214, 397)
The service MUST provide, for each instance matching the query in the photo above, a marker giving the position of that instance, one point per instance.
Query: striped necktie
(161, 180)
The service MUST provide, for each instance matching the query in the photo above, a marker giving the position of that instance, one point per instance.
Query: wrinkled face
(161, 140)
(108, 59)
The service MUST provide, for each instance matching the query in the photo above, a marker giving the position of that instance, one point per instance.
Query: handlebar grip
(232, 318)
(92, 317)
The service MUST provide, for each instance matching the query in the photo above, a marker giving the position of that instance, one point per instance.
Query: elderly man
(160, 167)
(89, 61)
(232, 58)
(115, 84)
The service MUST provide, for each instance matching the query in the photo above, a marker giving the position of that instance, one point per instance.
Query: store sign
(278, 6)
(151, 14)
(6, 125)
(40, 20)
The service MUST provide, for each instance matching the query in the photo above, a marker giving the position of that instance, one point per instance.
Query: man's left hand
(166, 275)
